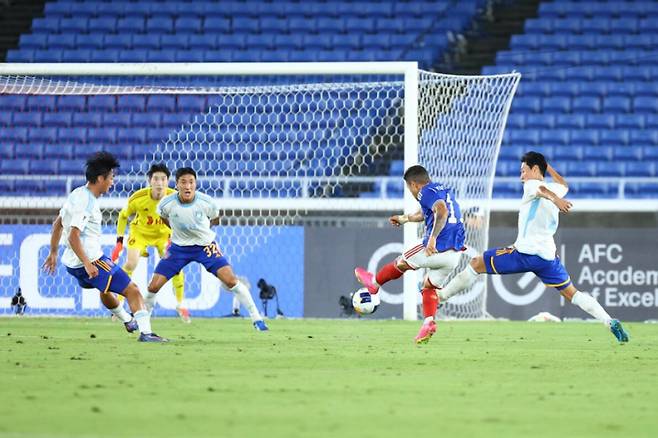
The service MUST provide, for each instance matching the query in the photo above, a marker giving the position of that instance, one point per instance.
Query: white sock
(143, 321)
(121, 313)
(149, 300)
(428, 319)
(460, 282)
(242, 294)
(587, 302)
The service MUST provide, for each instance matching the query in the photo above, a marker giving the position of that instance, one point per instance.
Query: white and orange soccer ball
(364, 303)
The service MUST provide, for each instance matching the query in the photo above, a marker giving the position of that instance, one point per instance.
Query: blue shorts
(510, 261)
(110, 277)
(177, 257)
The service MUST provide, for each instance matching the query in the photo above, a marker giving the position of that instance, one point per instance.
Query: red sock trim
(387, 273)
(430, 302)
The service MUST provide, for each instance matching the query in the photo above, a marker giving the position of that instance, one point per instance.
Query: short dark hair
(532, 159)
(100, 164)
(158, 167)
(185, 171)
(417, 174)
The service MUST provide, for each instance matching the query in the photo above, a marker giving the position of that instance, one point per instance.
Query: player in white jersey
(534, 249)
(80, 222)
(190, 214)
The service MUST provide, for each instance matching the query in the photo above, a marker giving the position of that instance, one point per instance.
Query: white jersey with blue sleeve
(538, 220)
(81, 210)
(190, 223)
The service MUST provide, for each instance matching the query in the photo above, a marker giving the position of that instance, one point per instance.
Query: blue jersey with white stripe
(453, 235)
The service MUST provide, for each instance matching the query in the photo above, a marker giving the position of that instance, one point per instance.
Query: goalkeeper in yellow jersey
(147, 229)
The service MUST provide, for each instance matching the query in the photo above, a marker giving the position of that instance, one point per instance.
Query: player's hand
(116, 252)
(91, 270)
(430, 249)
(563, 205)
(398, 220)
(50, 264)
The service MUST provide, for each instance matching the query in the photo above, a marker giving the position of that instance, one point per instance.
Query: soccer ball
(364, 303)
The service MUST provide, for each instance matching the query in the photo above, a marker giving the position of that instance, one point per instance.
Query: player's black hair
(158, 167)
(535, 159)
(416, 174)
(100, 164)
(185, 171)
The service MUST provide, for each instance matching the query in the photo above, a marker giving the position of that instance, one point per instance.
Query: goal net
(277, 158)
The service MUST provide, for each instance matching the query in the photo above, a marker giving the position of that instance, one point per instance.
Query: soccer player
(80, 222)
(534, 249)
(190, 215)
(147, 229)
(439, 252)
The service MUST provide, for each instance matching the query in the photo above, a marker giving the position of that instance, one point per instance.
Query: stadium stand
(588, 97)
(149, 31)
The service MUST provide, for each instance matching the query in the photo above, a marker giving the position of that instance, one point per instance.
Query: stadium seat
(15, 167)
(44, 167)
(87, 120)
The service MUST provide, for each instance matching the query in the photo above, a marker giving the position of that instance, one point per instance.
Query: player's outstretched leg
(589, 304)
(241, 292)
(109, 300)
(142, 316)
(388, 272)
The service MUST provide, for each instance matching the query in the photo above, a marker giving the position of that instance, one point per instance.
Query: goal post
(453, 125)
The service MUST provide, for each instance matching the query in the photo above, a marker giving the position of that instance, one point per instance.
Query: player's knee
(231, 282)
(402, 265)
(153, 287)
(130, 265)
(131, 289)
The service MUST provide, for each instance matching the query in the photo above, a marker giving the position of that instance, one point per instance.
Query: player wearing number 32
(190, 215)
(439, 252)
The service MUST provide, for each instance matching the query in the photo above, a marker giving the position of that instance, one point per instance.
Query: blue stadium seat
(643, 169)
(525, 137)
(642, 190)
(175, 120)
(598, 153)
(123, 151)
(600, 121)
(102, 135)
(64, 151)
(159, 25)
(146, 120)
(71, 135)
(131, 136)
(15, 166)
(627, 153)
(27, 119)
(7, 151)
(42, 135)
(568, 152)
(557, 105)
(87, 120)
(584, 137)
(121, 41)
(131, 103)
(116, 120)
(105, 24)
(155, 135)
(630, 121)
(577, 168)
(71, 167)
(71, 103)
(645, 104)
(644, 138)
(44, 167)
(41, 103)
(6, 118)
(611, 169)
(183, 41)
(17, 135)
(617, 105)
(191, 55)
(145, 41)
(216, 24)
(614, 138)
(130, 25)
(73, 25)
(32, 152)
(191, 103)
(245, 25)
(188, 25)
(586, 105)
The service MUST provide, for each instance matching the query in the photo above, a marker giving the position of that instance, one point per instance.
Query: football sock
(587, 302)
(430, 303)
(149, 300)
(460, 282)
(143, 321)
(179, 287)
(121, 313)
(242, 294)
(387, 273)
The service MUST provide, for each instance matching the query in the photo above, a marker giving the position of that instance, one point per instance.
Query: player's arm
(166, 222)
(440, 211)
(76, 245)
(556, 176)
(401, 219)
(562, 204)
(51, 261)
(214, 222)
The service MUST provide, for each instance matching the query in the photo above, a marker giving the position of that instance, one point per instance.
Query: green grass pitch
(325, 378)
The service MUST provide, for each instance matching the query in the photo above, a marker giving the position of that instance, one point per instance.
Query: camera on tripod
(268, 292)
(18, 301)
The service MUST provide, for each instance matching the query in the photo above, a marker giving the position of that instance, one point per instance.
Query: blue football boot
(618, 331)
(260, 326)
(131, 326)
(151, 337)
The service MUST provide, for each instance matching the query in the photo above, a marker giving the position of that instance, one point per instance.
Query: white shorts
(439, 265)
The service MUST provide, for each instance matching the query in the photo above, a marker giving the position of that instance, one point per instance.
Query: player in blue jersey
(190, 215)
(534, 249)
(79, 221)
(439, 252)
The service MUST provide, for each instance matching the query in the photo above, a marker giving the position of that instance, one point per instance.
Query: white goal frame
(409, 70)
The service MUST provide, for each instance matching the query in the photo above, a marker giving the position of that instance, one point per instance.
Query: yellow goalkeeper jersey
(146, 222)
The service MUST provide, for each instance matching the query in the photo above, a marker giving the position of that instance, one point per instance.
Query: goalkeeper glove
(116, 252)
